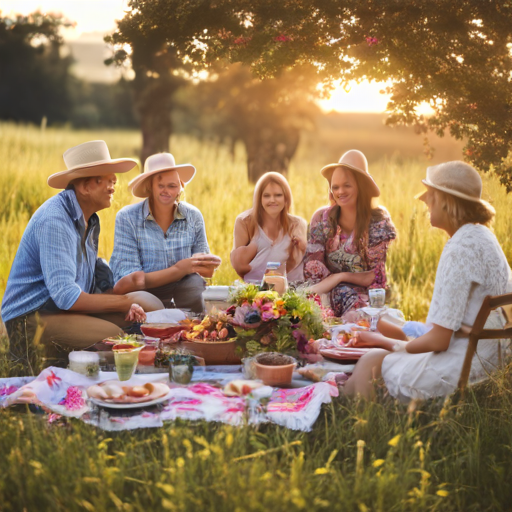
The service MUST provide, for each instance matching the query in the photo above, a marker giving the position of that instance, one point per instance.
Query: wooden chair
(478, 332)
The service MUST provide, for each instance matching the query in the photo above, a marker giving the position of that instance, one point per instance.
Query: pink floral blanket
(61, 392)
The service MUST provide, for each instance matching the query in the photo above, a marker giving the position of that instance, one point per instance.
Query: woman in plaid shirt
(160, 243)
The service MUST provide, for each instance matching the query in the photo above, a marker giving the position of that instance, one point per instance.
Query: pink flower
(282, 38)
(242, 40)
(74, 400)
(371, 41)
(52, 418)
(267, 315)
(7, 390)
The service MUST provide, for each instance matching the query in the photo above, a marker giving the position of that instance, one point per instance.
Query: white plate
(113, 405)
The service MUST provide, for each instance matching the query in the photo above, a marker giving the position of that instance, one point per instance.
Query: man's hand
(135, 314)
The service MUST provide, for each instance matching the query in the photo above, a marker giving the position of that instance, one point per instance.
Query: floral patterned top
(327, 254)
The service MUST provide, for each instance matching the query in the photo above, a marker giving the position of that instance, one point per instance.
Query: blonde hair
(257, 207)
(463, 211)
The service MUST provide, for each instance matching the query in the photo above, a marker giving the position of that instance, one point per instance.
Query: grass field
(359, 457)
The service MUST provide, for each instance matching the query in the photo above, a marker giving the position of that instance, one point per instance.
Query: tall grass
(360, 456)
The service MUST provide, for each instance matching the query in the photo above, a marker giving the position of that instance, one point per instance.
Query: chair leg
(466, 367)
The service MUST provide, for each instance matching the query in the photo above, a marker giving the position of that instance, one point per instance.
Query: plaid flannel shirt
(140, 243)
(52, 266)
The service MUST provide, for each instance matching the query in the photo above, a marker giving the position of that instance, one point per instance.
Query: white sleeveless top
(272, 251)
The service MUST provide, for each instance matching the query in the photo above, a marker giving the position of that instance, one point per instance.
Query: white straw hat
(456, 178)
(87, 160)
(161, 162)
(355, 161)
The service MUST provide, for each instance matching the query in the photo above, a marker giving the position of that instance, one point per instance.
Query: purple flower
(300, 338)
(252, 317)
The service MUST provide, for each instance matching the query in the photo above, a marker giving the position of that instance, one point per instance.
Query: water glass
(377, 297)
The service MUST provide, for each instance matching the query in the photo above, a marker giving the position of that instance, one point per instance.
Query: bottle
(275, 277)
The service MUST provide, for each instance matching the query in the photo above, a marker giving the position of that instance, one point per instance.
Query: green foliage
(35, 78)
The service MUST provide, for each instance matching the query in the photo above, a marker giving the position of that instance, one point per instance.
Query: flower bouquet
(264, 321)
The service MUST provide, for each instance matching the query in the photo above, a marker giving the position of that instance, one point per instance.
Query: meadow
(360, 456)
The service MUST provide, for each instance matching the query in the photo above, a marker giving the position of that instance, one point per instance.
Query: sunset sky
(94, 18)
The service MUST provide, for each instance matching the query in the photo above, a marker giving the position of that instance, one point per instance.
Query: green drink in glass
(126, 357)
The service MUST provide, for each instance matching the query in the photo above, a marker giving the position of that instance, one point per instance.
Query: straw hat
(355, 161)
(86, 160)
(456, 178)
(154, 164)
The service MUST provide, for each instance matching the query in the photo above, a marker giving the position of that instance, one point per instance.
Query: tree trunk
(153, 103)
(270, 149)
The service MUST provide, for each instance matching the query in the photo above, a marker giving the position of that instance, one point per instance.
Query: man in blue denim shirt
(160, 244)
(55, 275)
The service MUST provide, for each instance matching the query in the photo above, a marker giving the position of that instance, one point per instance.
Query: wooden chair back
(478, 332)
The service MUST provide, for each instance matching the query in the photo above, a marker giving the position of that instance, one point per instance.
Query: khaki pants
(52, 335)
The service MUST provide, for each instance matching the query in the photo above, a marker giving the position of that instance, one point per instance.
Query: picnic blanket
(62, 392)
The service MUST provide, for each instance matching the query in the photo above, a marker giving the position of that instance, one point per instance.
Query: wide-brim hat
(154, 164)
(456, 178)
(87, 160)
(355, 161)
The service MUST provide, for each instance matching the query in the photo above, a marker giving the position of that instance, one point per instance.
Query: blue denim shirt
(140, 243)
(52, 267)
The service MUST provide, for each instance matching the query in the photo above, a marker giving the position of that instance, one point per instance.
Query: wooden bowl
(213, 352)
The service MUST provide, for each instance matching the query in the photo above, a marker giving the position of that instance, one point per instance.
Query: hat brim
(60, 180)
(455, 193)
(186, 173)
(328, 170)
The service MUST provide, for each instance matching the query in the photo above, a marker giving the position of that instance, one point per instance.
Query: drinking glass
(126, 360)
(377, 300)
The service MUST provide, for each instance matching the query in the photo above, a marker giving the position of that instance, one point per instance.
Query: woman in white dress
(267, 232)
(471, 267)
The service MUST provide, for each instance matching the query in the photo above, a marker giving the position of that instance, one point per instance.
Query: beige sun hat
(161, 162)
(86, 160)
(355, 161)
(456, 178)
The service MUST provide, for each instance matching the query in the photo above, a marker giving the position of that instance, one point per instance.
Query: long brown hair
(257, 207)
(366, 209)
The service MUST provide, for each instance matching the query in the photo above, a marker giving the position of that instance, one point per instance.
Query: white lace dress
(471, 267)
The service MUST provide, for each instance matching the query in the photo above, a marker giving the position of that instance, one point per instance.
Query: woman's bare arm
(244, 250)
(363, 279)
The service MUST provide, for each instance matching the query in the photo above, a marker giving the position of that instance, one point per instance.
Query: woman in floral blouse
(348, 240)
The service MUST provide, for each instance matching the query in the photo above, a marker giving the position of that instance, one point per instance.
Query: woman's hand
(364, 339)
(367, 339)
(135, 314)
(299, 244)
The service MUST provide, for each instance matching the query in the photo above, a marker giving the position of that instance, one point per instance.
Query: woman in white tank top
(267, 232)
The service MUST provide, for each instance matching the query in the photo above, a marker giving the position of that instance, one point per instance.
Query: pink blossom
(74, 400)
(372, 41)
(267, 315)
(7, 390)
(242, 40)
(282, 38)
(52, 418)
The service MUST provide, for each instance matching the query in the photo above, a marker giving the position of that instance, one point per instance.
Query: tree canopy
(34, 75)
(454, 55)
